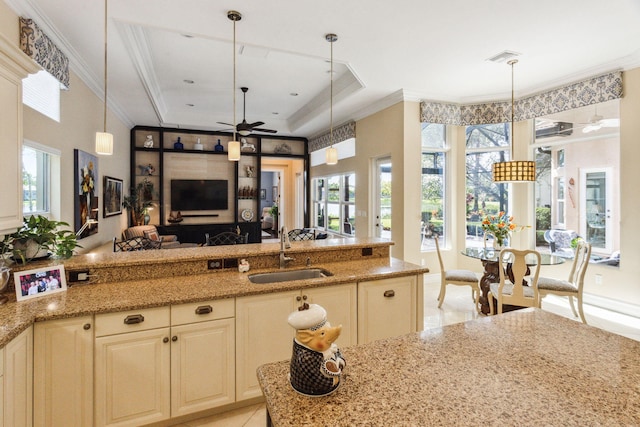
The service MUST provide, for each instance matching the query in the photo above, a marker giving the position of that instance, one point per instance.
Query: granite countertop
(526, 367)
(89, 299)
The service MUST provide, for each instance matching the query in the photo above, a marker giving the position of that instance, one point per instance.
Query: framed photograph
(274, 192)
(112, 197)
(85, 193)
(39, 282)
(263, 193)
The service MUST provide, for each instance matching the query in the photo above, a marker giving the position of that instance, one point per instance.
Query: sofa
(151, 232)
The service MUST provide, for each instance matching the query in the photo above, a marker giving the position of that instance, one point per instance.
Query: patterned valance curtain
(587, 92)
(340, 133)
(41, 49)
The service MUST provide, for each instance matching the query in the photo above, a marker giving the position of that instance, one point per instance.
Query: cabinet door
(262, 336)
(132, 378)
(63, 372)
(202, 366)
(18, 380)
(340, 303)
(386, 308)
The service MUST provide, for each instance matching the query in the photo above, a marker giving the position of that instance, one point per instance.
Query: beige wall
(81, 116)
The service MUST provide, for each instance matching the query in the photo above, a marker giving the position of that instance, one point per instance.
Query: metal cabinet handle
(298, 298)
(86, 326)
(304, 297)
(174, 338)
(204, 309)
(390, 293)
(165, 340)
(133, 319)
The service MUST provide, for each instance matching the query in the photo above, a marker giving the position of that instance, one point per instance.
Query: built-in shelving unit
(203, 155)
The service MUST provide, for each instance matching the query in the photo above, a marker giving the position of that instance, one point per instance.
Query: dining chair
(458, 278)
(572, 287)
(518, 281)
(226, 238)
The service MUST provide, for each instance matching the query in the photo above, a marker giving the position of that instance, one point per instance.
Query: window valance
(594, 90)
(340, 133)
(41, 49)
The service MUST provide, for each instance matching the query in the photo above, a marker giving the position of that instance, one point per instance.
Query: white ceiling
(386, 52)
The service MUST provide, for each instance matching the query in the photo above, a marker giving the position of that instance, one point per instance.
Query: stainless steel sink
(289, 275)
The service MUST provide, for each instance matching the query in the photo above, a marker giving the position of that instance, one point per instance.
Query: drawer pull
(86, 326)
(133, 319)
(204, 309)
(165, 340)
(390, 293)
(174, 338)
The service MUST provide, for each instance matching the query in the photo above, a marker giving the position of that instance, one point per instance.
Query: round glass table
(491, 274)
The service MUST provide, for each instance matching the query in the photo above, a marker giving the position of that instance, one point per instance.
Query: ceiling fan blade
(226, 124)
(590, 128)
(610, 123)
(256, 124)
(265, 130)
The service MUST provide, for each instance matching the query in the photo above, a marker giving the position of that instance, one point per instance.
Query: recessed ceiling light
(189, 36)
(190, 105)
(188, 81)
(275, 113)
(293, 94)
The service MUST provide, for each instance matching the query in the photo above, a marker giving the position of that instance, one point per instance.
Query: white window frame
(323, 199)
(49, 181)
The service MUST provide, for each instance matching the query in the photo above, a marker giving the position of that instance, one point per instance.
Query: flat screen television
(199, 194)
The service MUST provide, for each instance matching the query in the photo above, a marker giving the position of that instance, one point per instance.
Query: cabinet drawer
(132, 321)
(202, 311)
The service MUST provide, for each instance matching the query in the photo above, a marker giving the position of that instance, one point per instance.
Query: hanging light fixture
(104, 140)
(514, 170)
(331, 153)
(234, 145)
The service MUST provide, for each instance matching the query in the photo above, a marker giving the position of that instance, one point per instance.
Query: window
(576, 188)
(334, 201)
(434, 152)
(486, 144)
(41, 91)
(38, 163)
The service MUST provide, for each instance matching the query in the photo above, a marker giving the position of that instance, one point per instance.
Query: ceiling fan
(245, 128)
(596, 122)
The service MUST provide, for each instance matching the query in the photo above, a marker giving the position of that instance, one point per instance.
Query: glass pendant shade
(331, 156)
(514, 171)
(234, 151)
(104, 143)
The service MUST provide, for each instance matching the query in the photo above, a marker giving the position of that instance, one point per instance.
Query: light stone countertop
(525, 368)
(89, 299)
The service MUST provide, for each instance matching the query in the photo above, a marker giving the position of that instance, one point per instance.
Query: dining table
(491, 274)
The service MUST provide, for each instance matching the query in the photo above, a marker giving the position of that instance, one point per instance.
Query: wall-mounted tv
(199, 194)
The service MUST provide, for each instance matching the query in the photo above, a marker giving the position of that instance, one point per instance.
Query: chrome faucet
(284, 244)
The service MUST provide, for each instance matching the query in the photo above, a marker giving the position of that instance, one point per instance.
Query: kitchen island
(526, 367)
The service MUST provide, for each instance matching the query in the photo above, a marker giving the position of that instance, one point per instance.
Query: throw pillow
(152, 235)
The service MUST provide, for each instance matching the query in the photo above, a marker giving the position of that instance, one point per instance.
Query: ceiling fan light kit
(513, 170)
(104, 140)
(331, 155)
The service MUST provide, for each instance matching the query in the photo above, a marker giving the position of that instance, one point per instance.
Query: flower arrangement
(499, 225)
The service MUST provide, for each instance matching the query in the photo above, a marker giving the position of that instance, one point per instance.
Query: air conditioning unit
(558, 129)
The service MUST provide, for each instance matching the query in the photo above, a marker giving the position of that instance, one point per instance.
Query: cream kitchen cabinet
(202, 356)
(14, 66)
(63, 372)
(132, 367)
(2, 387)
(18, 380)
(164, 362)
(263, 334)
(387, 308)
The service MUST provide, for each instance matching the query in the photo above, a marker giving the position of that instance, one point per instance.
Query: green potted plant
(39, 237)
(139, 201)
(274, 215)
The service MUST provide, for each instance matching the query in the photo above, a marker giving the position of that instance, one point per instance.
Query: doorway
(287, 189)
(596, 205)
(382, 198)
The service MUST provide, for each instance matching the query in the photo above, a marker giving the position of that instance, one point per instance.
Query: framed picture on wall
(86, 193)
(112, 197)
(39, 282)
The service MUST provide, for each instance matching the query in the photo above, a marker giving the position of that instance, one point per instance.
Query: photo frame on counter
(39, 282)
(112, 201)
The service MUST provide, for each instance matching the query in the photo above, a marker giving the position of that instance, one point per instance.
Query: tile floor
(457, 307)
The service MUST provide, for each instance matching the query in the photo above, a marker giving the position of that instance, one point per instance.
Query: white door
(382, 198)
(595, 208)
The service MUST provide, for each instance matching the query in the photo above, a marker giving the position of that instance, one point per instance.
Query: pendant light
(104, 140)
(234, 145)
(331, 153)
(514, 170)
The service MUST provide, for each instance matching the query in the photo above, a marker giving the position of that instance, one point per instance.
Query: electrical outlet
(79, 276)
(598, 279)
(214, 264)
